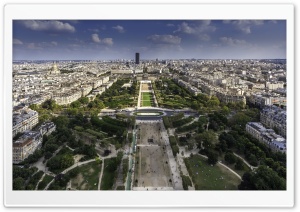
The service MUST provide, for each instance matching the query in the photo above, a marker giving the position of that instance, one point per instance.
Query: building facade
(24, 119)
(26, 145)
(275, 118)
(267, 136)
(137, 58)
(31, 141)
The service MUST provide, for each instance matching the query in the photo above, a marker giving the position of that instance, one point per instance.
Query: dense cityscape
(210, 124)
(127, 105)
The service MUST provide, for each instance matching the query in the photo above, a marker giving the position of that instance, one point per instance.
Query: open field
(152, 164)
(87, 177)
(147, 99)
(207, 177)
(146, 103)
(146, 96)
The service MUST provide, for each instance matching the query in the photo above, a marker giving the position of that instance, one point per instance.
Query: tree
(83, 100)
(263, 178)
(49, 104)
(252, 160)
(48, 155)
(212, 157)
(18, 183)
(213, 102)
(240, 119)
(230, 158)
(239, 164)
(34, 107)
(207, 139)
(61, 122)
(75, 104)
(66, 161)
(225, 110)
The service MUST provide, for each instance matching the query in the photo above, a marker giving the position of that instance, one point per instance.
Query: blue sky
(162, 39)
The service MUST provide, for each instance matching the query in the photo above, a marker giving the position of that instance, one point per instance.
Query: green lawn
(147, 99)
(207, 177)
(87, 177)
(146, 103)
(146, 96)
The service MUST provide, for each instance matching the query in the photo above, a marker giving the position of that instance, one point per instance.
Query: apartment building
(31, 141)
(24, 119)
(274, 117)
(26, 145)
(267, 136)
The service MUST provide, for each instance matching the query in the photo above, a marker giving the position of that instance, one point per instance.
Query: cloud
(185, 28)
(164, 39)
(170, 25)
(95, 38)
(196, 28)
(119, 28)
(244, 25)
(273, 21)
(33, 46)
(17, 42)
(233, 42)
(93, 30)
(48, 26)
(42, 45)
(204, 37)
(108, 41)
(54, 43)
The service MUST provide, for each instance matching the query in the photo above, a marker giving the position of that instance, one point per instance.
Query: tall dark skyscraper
(137, 58)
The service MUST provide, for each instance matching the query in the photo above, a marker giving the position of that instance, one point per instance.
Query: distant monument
(54, 70)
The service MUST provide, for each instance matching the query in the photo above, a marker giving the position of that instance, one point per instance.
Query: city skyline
(162, 39)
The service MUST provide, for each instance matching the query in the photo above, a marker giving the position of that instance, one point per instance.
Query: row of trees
(118, 96)
(174, 146)
(171, 95)
(111, 129)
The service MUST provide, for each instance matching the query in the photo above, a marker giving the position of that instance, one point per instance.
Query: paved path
(101, 174)
(184, 169)
(119, 180)
(251, 167)
(36, 187)
(177, 180)
(236, 174)
(139, 98)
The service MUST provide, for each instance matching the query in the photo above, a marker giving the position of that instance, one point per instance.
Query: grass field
(146, 96)
(146, 104)
(207, 177)
(88, 177)
(147, 99)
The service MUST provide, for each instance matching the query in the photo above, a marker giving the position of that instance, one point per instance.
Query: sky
(153, 39)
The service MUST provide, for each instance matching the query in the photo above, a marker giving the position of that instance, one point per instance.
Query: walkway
(177, 180)
(251, 167)
(119, 180)
(101, 174)
(37, 185)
